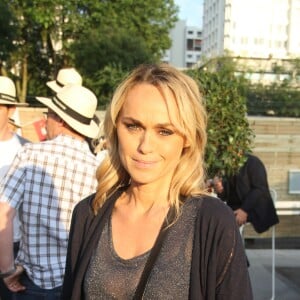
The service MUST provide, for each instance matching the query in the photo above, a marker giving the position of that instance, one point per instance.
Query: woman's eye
(132, 126)
(165, 132)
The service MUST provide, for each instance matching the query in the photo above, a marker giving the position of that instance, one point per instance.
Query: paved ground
(287, 272)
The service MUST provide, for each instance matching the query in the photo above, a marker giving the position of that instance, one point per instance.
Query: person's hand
(13, 281)
(218, 185)
(209, 185)
(240, 217)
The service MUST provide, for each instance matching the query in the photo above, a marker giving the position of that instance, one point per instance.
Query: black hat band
(72, 113)
(59, 83)
(8, 98)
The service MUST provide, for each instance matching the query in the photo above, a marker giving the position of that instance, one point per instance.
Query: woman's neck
(146, 199)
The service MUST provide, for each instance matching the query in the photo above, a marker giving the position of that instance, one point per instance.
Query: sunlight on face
(5, 113)
(149, 145)
(51, 124)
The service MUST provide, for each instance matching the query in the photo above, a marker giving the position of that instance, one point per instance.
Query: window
(294, 181)
(197, 45)
(189, 44)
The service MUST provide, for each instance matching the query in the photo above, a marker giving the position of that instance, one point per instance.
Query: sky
(191, 11)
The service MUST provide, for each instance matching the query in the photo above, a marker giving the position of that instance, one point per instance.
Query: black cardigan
(219, 269)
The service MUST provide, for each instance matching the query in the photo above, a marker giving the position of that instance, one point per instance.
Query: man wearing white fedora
(47, 179)
(65, 77)
(10, 143)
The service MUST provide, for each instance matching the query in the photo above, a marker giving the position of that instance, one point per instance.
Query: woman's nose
(146, 142)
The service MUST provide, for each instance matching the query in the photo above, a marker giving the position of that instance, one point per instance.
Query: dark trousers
(34, 292)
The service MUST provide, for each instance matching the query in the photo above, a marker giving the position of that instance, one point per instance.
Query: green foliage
(123, 34)
(229, 133)
(7, 31)
(114, 47)
(28, 61)
(45, 36)
(149, 20)
(277, 100)
(105, 82)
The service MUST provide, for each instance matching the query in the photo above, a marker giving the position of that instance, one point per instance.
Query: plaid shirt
(46, 180)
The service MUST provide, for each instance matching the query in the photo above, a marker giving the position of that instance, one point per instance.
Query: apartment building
(186, 46)
(251, 28)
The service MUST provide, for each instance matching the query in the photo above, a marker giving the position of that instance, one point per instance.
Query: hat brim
(54, 86)
(3, 102)
(91, 130)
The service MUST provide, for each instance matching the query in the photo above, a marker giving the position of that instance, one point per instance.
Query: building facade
(251, 28)
(186, 46)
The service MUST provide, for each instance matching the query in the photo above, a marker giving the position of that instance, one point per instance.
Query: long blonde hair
(189, 175)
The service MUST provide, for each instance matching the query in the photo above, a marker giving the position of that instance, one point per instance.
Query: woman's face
(149, 145)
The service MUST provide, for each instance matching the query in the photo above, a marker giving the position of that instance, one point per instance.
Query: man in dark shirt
(247, 193)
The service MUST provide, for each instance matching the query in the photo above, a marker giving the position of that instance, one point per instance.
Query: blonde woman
(150, 231)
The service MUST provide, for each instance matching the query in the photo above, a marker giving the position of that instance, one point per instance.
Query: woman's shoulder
(212, 207)
(85, 205)
(208, 201)
(214, 220)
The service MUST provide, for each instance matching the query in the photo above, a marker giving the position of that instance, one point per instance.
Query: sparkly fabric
(218, 263)
(111, 277)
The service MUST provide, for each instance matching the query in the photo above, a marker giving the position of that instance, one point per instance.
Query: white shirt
(8, 151)
(101, 155)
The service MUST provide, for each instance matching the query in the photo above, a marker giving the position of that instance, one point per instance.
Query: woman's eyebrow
(166, 124)
(130, 119)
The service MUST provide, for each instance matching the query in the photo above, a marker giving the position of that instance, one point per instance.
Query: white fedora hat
(8, 92)
(65, 76)
(76, 105)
